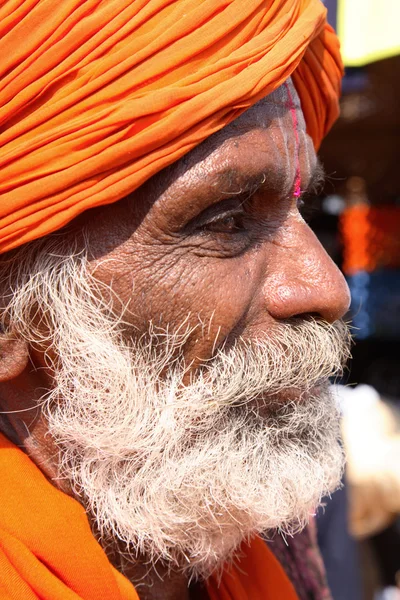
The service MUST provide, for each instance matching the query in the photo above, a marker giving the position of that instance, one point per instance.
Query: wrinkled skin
(192, 241)
(195, 240)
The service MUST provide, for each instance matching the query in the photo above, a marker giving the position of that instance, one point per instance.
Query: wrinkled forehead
(270, 137)
(281, 109)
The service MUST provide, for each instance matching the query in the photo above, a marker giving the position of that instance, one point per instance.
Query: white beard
(184, 473)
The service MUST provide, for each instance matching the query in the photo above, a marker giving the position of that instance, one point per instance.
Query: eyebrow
(272, 180)
(206, 188)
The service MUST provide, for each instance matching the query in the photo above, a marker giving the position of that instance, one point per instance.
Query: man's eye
(227, 224)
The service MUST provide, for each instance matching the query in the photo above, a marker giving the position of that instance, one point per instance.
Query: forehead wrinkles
(288, 131)
(269, 137)
(289, 143)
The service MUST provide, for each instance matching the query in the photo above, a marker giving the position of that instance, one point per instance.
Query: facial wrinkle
(275, 116)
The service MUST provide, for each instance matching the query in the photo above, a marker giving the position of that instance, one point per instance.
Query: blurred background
(357, 218)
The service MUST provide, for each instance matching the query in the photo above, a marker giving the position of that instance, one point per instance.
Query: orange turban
(96, 96)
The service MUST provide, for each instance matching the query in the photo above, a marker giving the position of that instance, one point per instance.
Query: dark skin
(217, 236)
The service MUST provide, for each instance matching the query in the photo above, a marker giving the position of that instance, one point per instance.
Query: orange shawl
(96, 96)
(47, 550)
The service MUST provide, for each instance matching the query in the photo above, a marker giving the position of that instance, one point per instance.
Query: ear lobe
(14, 357)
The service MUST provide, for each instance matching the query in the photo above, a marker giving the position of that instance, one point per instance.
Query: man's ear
(14, 356)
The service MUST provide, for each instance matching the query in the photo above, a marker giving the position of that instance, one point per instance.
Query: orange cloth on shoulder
(48, 552)
(96, 96)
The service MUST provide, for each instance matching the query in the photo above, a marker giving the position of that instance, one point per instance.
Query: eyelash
(234, 214)
(306, 208)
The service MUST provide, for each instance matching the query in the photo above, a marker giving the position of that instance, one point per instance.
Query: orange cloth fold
(47, 549)
(96, 96)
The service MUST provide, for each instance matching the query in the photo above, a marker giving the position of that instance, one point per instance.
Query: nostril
(299, 298)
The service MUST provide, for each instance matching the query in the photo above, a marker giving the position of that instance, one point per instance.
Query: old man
(168, 320)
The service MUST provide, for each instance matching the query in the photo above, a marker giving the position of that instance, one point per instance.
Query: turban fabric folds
(96, 96)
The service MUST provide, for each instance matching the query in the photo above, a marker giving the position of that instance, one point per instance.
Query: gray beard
(176, 472)
(184, 475)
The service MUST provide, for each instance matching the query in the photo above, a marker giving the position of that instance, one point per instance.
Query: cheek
(175, 287)
(217, 297)
(209, 295)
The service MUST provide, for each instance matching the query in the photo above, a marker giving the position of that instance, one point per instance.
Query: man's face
(190, 403)
(219, 236)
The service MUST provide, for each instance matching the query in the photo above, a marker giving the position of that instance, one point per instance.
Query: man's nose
(302, 279)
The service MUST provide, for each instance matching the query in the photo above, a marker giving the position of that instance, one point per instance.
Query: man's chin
(258, 476)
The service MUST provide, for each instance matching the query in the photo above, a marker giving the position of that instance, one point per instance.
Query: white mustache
(300, 354)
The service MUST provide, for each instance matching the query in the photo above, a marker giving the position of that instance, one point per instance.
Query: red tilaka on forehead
(292, 108)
